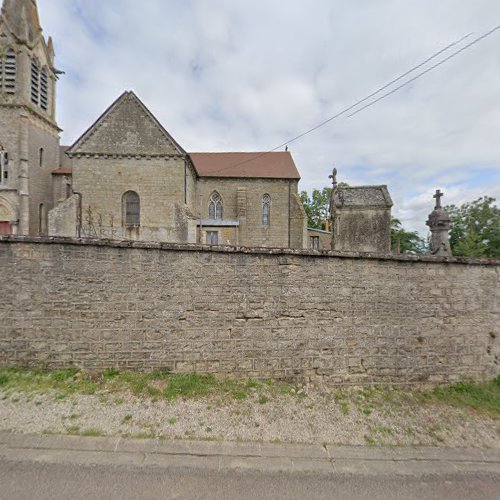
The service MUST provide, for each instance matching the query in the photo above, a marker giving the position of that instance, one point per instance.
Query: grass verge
(155, 385)
(482, 398)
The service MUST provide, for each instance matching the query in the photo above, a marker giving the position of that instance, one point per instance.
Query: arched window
(35, 82)
(131, 209)
(266, 210)
(8, 70)
(4, 166)
(215, 207)
(44, 90)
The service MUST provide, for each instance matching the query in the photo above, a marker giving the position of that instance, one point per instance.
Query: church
(126, 177)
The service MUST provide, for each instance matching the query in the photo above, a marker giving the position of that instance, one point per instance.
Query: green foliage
(317, 207)
(189, 385)
(476, 228)
(239, 395)
(110, 373)
(64, 375)
(408, 241)
(92, 433)
(485, 397)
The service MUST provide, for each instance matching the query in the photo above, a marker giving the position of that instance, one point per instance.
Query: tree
(317, 207)
(475, 230)
(406, 241)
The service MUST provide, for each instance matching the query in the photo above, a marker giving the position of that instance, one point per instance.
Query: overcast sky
(246, 75)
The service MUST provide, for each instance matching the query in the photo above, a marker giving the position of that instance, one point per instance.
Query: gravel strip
(313, 418)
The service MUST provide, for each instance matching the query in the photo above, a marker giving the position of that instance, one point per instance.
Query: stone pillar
(24, 195)
(439, 223)
(241, 201)
(331, 208)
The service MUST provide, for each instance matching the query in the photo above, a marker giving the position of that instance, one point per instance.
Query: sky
(247, 75)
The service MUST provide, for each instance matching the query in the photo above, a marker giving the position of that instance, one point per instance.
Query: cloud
(239, 75)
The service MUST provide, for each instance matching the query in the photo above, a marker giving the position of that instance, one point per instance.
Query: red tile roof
(276, 165)
(63, 171)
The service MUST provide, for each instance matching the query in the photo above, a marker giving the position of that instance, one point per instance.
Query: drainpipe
(80, 215)
(289, 214)
(185, 181)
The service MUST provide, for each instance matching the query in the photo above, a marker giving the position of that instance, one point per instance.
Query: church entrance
(5, 228)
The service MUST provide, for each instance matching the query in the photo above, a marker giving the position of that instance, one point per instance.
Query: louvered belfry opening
(35, 82)
(8, 72)
(44, 89)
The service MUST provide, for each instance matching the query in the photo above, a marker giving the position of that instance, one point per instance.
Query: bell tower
(29, 135)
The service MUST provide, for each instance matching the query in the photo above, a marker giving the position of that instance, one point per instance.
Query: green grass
(189, 386)
(482, 397)
(91, 433)
(154, 386)
(127, 419)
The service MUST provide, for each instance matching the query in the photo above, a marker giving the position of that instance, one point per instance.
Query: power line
(428, 70)
(378, 91)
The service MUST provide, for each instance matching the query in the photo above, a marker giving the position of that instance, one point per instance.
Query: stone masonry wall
(102, 182)
(285, 217)
(247, 312)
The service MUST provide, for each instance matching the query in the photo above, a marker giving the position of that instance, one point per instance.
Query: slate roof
(276, 165)
(363, 196)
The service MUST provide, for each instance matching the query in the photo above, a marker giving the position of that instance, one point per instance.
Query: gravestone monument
(361, 218)
(439, 223)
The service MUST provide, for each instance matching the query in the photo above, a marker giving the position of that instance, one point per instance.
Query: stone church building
(126, 177)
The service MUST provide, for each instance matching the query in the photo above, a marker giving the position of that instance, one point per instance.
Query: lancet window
(266, 210)
(4, 166)
(215, 207)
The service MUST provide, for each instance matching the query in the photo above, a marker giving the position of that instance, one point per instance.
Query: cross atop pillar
(334, 177)
(438, 197)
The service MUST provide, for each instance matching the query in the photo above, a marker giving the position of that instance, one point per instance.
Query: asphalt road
(32, 480)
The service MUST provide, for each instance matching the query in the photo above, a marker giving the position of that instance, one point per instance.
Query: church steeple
(29, 134)
(21, 16)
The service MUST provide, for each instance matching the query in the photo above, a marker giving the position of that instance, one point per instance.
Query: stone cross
(438, 197)
(334, 177)
(439, 223)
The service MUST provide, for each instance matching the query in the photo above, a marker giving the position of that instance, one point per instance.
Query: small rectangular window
(212, 237)
(314, 242)
(4, 166)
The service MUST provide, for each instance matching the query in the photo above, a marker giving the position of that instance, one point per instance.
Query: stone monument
(439, 223)
(361, 218)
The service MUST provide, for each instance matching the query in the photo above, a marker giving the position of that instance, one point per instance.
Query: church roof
(22, 18)
(126, 128)
(363, 196)
(276, 165)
